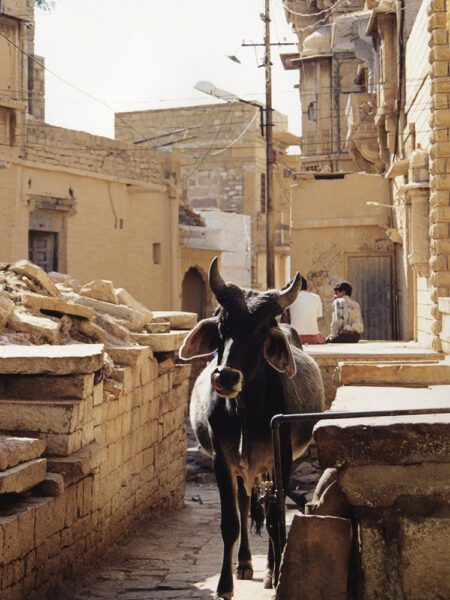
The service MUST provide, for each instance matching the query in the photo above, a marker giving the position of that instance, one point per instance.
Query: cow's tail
(257, 512)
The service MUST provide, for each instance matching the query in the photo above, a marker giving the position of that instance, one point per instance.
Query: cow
(253, 375)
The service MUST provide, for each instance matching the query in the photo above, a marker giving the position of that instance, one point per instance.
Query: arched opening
(194, 293)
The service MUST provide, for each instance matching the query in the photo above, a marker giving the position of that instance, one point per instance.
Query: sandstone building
(80, 203)
(223, 155)
(373, 85)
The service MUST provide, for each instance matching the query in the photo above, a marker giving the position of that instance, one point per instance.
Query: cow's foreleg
(244, 570)
(229, 523)
(269, 567)
(276, 514)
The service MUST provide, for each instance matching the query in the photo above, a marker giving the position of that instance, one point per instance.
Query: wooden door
(371, 279)
(42, 251)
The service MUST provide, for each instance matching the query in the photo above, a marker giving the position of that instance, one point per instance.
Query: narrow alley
(176, 556)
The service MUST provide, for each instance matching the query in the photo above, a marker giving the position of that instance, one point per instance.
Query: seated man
(303, 315)
(346, 324)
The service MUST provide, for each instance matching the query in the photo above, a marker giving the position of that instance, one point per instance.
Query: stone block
(157, 327)
(63, 416)
(15, 450)
(27, 268)
(165, 365)
(316, 559)
(383, 440)
(128, 355)
(419, 374)
(424, 557)
(80, 464)
(100, 289)
(56, 305)
(181, 372)
(48, 387)
(23, 477)
(40, 328)
(177, 320)
(53, 485)
(6, 309)
(166, 342)
(381, 485)
(50, 516)
(55, 360)
(124, 297)
(63, 444)
(110, 325)
(134, 319)
(90, 329)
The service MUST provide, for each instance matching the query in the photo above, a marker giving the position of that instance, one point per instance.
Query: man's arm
(336, 320)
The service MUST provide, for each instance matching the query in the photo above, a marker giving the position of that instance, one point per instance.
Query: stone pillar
(438, 26)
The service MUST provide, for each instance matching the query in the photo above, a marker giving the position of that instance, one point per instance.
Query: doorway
(194, 293)
(372, 283)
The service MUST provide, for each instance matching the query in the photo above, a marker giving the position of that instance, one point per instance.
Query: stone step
(414, 374)
(54, 360)
(22, 477)
(44, 416)
(16, 450)
(356, 398)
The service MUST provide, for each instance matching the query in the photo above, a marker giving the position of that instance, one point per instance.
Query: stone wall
(86, 152)
(438, 26)
(116, 453)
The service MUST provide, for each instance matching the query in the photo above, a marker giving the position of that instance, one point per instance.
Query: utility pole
(270, 154)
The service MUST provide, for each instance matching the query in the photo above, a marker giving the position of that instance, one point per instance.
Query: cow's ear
(278, 352)
(202, 340)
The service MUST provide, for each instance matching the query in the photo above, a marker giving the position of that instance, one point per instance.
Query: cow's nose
(228, 378)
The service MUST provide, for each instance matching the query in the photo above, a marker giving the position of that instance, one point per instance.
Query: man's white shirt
(305, 311)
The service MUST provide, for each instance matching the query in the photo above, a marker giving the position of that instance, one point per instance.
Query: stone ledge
(80, 463)
(56, 305)
(55, 360)
(15, 450)
(129, 355)
(417, 374)
(166, 342)
(383, 440)
(46, 386)
(22, 477)
(177, 319)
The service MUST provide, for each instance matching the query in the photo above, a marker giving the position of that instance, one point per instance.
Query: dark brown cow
(255, 374)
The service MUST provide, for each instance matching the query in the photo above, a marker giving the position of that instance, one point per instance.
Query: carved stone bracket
(415, 198)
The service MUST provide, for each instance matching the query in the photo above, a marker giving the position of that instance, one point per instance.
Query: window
(157, 253)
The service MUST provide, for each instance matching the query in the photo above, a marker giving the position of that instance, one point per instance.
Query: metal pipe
(278, 420)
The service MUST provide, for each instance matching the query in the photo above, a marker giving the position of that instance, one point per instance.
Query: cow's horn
(287, 296)
(216, 282)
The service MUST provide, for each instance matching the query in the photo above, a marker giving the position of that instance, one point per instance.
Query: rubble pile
(53, 308)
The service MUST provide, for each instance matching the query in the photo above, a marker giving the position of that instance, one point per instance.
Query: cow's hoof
(244, 571)
(267, 581)
(226, 596)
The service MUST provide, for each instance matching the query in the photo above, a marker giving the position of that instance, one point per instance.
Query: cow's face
(243, 334)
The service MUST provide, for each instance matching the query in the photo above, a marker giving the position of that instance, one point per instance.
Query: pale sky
(142, 54)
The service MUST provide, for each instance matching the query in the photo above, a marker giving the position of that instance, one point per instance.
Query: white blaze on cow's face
(226, 380)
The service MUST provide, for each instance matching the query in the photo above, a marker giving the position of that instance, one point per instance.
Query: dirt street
(175, 557)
